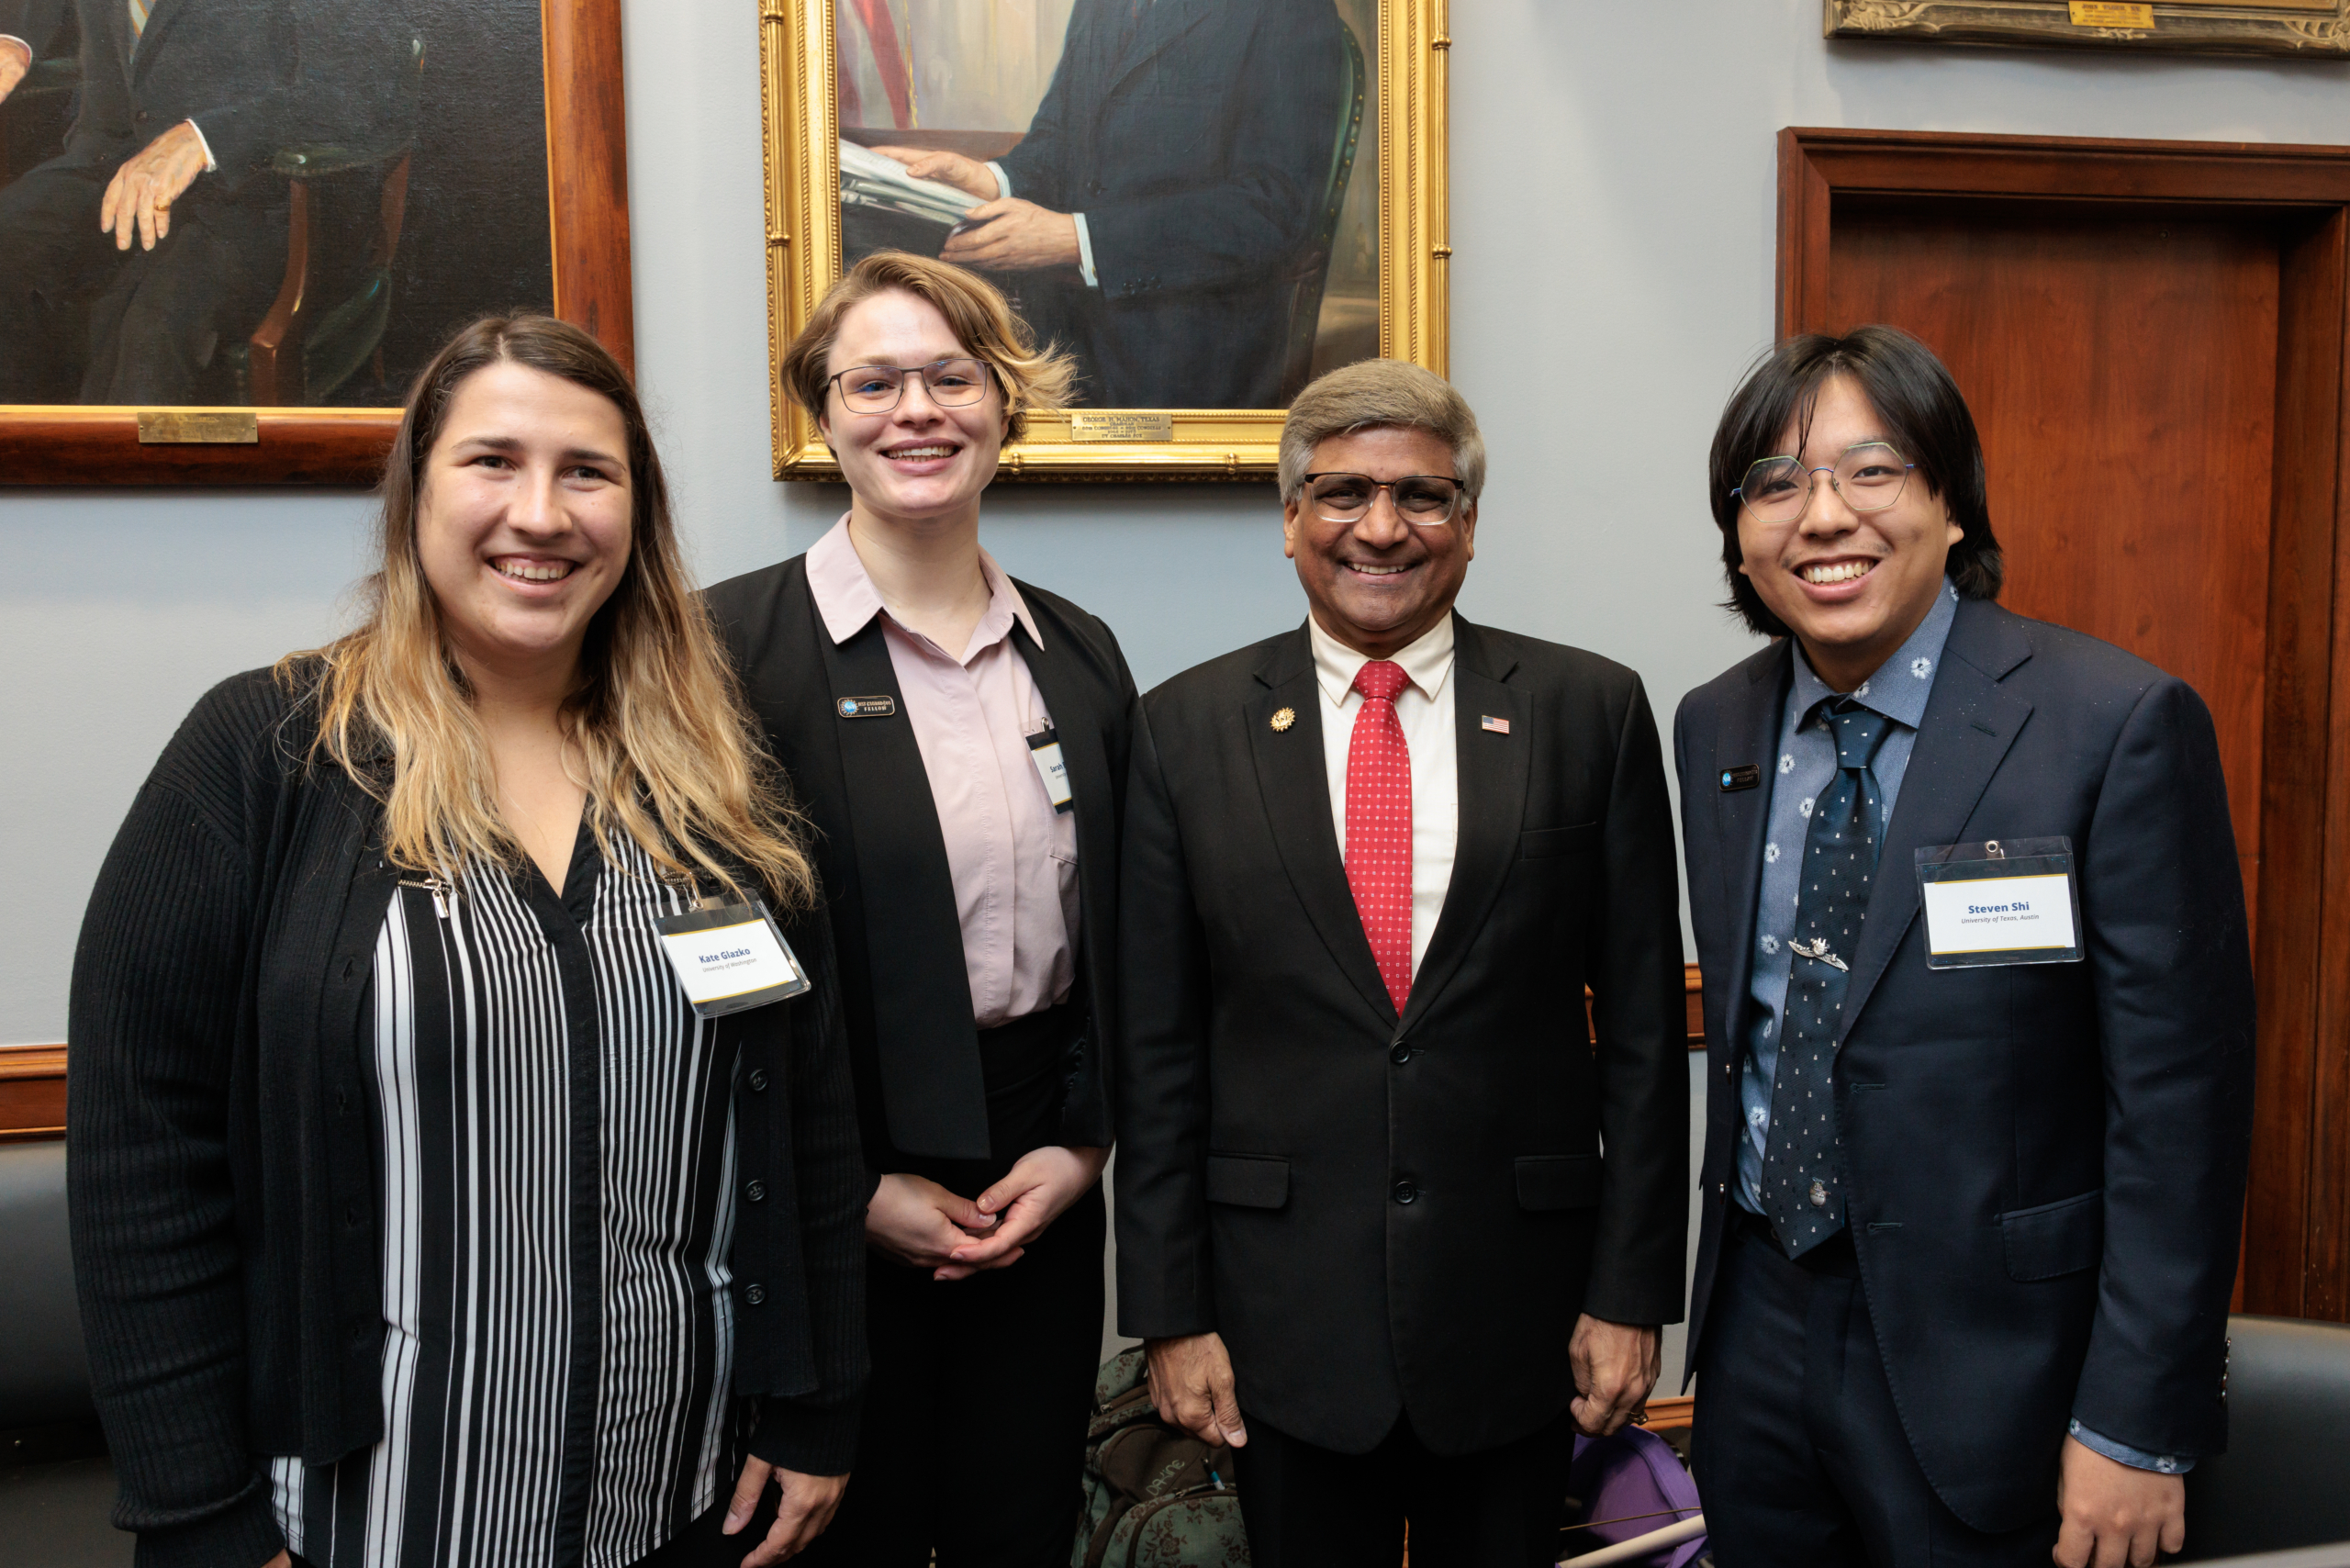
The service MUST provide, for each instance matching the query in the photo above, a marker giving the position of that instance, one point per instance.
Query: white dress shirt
(1424, 710)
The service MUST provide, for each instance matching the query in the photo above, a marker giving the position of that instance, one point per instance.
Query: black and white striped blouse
(556, 1153)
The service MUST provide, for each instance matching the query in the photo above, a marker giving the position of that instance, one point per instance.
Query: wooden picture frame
(2306, 30)
(1404, 126)
(587, 154)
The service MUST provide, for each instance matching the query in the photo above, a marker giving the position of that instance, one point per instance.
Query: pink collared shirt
(1012, 858)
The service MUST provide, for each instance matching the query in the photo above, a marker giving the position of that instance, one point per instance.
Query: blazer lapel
(1080, 732)
(927, 1046)
(1492, 769)
(1294, 783)
(1970, 722)
(1745, 732)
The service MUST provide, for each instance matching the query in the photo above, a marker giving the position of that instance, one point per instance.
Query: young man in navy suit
(1979, 1017)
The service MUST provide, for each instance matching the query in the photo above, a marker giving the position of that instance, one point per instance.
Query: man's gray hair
(1376, 393)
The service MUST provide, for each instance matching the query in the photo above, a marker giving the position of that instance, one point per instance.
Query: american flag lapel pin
(1499, 726)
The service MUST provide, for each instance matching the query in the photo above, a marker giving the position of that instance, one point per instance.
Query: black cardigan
(222, 1177)
(862, 783)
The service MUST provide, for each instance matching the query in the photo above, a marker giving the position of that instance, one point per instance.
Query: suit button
(754, 1294)
(758, 1080)
(140, 116)
(1400, 1055)
(1405, 1193)
(1721, 1189)
(755, 1191)
(1730, 1071)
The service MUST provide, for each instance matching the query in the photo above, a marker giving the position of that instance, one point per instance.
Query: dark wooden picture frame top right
(2297, 1251)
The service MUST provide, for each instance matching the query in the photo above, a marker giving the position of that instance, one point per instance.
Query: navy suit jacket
(2044, 1163)
(1197, 151)
(255, 76)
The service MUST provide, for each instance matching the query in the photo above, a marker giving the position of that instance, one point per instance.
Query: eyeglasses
(876, 389)
(1426, 499)
(1869, 477)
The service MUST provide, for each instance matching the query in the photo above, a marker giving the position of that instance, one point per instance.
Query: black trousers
(1797, 1448)
(81, 321)
(973, 1438)
(1311, 1507)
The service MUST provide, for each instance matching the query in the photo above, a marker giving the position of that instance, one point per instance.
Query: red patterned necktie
(1378, 825)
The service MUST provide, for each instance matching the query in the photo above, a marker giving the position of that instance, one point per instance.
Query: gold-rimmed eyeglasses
(876, 389)
(1870, 476)
(1426, 499)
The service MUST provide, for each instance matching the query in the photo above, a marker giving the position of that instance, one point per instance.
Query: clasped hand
(920, 1223)
(15, 60)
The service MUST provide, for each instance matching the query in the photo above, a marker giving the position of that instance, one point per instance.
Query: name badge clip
(1045, 751)
(2001, 901)
(730, 957)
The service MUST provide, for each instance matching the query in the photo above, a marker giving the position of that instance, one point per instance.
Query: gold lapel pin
(1283, 717)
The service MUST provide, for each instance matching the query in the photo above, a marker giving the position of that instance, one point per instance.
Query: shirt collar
(1899, 688)
(1427, 660)
(846, 599)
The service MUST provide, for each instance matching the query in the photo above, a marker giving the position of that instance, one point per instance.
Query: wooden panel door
(2151, 335)
(2123, 374)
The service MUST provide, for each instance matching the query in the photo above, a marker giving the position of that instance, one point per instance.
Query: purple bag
(1629, 1485)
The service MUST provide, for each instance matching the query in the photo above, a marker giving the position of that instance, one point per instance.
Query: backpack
(1155, 1496)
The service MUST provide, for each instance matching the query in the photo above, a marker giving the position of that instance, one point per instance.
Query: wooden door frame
(2297, 1257)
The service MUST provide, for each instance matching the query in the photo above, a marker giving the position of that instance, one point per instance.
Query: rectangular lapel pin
(1745, 776)
(1499, 726)
(867, 707)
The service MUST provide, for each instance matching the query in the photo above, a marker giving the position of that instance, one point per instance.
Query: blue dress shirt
(1805, 767)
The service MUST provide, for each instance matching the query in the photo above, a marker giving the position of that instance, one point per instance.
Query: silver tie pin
(1818, 949)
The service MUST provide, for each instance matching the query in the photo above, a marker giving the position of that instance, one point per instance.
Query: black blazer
(224, 1203)
(1197, 148)
(2044, 1163)
(1383, 1215)
(255, 76)
(883, 860)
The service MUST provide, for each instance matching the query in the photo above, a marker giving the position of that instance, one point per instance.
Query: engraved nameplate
(1121, 427)
(167, 426)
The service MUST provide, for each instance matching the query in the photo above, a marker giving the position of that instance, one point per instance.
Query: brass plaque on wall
(234, 427)
(1144, 425)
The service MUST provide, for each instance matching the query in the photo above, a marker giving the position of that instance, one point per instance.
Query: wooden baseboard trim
(32, 1093)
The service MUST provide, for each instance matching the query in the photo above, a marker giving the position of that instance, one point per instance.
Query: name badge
(1045, 751)
(729, 958)
(2012, 901)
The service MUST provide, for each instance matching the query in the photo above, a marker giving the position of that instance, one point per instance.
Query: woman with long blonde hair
(431, 1207)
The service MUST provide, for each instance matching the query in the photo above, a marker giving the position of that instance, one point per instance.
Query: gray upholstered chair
(2285, 1481)
(55, 1483)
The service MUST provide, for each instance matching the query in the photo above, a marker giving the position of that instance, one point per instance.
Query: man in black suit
(1172, 173)
(25, 28)
(130, 263)
(1975, 1149)
(1364, 1217)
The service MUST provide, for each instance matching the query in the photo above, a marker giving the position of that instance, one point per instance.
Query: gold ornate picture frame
(1386, 294)
(2312, 29)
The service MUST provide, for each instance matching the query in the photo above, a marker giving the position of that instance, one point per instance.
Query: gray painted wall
(1612, 224)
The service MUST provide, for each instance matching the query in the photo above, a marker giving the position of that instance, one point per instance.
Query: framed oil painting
(308, 196)
(1206, 202)
(2314, 29)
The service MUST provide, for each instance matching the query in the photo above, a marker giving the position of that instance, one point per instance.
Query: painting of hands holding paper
(1183, 194)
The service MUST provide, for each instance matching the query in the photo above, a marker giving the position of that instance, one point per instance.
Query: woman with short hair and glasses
(959, 740)
(421, 1215)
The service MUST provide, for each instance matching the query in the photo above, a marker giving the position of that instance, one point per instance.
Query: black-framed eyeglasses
(876, 389)
(1869, 476)
(1426, 499)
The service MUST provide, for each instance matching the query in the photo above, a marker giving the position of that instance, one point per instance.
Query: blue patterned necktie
(1802, 1185)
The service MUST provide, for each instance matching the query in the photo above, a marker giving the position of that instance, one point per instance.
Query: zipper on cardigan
(438, 889)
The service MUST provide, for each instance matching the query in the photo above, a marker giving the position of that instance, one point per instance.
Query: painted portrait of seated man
(135, 262)
(1169, 194)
